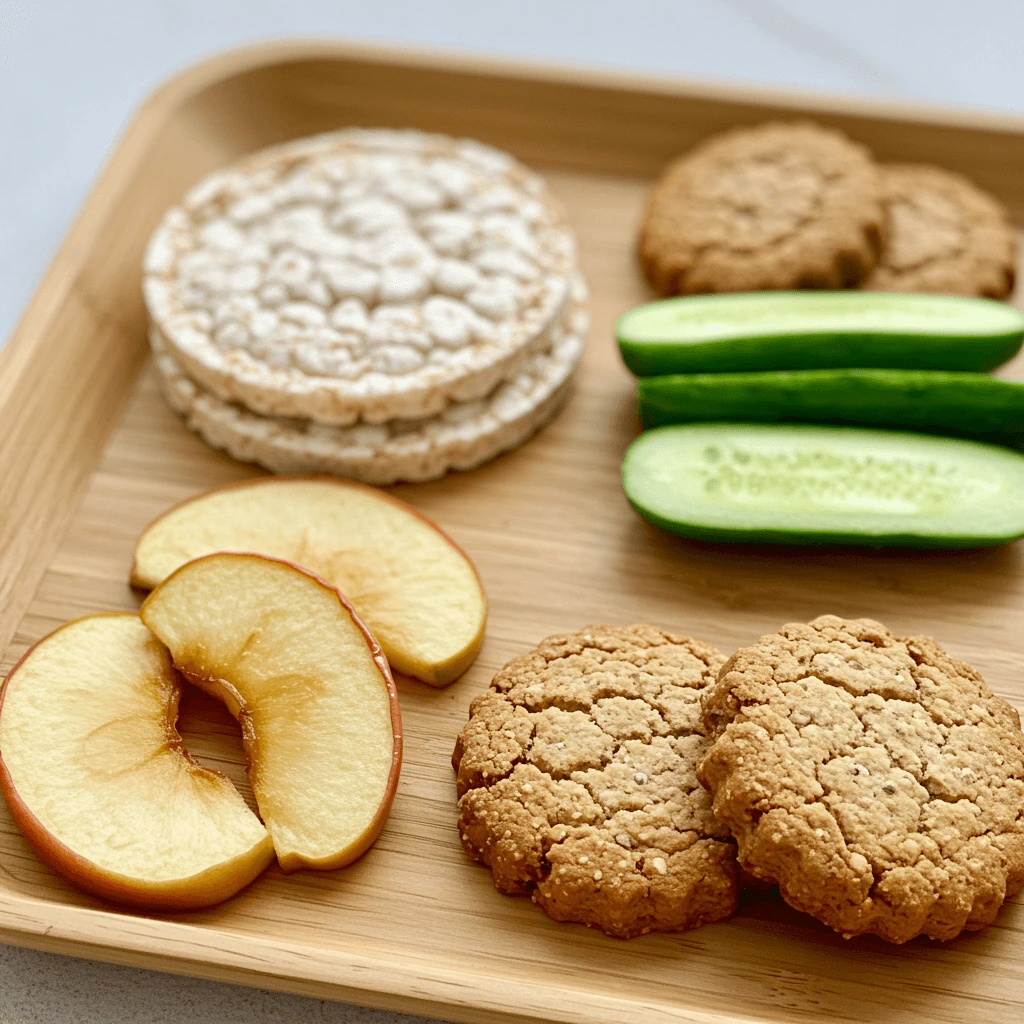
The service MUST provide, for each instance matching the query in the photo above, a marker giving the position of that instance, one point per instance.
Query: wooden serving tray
(90, 454)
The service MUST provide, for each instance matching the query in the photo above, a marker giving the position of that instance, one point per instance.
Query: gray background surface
(71, 75)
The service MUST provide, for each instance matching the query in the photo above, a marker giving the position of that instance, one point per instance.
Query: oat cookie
(876, 779)
(778, 206)
(576, 782)
(944, 234)
(463, 436)
(363, 274)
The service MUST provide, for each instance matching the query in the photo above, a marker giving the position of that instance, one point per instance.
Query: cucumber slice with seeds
(809, 330)
(825, 485)
(932, 401)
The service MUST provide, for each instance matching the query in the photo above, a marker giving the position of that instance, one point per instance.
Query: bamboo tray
(90, 454)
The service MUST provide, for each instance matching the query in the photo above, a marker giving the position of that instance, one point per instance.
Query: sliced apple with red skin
(96, 777)
(414, 587)
(310, 687)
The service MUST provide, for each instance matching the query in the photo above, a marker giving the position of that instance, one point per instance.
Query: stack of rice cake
(378, 304)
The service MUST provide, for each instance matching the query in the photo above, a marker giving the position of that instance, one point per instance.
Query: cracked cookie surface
(944, 235)
(876, 779)
(773, 207)
(577, 784)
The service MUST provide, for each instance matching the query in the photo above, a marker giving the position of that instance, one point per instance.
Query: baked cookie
(944, 234)
(772, 207)
(576, 782)
(366, 274)
(464, 435)
(876, 779)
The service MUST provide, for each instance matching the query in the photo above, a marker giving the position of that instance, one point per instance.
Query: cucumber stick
(933, 401)
(825, 485)
(812, 330)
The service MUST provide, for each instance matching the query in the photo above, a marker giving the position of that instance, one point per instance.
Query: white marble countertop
(72, 73)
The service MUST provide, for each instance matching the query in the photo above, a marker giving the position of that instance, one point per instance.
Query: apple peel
(87, 730)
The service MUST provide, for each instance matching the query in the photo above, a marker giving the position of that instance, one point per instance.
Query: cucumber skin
(808, 538)
(794, 538)
(820, 351)
(928, 401)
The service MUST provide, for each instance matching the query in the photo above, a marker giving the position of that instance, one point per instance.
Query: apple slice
(413, 586)
(96, 777)
(308, 684)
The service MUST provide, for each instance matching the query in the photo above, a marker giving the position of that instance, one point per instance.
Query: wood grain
(92, 454)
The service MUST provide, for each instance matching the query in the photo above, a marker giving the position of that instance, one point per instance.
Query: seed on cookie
(363, 274)
(877, 780)
(778, 206)
(577, 784)
(944, 234)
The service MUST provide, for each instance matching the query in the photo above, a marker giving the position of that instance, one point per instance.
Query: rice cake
(464, 435)
(365, 274)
